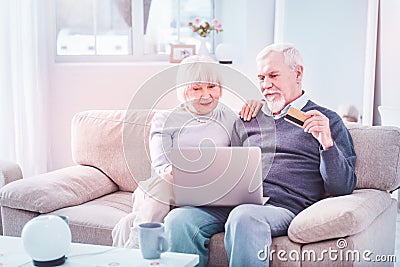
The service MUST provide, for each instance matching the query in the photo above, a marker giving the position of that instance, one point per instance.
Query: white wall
(332, 38)
(76, 87)
(249, 27)
(389, 51)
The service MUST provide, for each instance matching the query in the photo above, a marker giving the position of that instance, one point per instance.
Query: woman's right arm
(160, 144)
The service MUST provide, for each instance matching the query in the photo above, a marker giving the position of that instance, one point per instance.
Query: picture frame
(180, 51)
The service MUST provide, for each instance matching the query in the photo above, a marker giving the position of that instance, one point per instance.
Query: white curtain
(23, 131)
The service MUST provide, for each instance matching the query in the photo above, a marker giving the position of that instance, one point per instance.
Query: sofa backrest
(378, 156)
(116, 142)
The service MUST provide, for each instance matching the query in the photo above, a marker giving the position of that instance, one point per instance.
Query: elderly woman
(199, 120)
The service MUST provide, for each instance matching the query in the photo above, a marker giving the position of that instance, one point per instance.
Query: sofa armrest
(9, 172)
(338, 217)
(58, 189)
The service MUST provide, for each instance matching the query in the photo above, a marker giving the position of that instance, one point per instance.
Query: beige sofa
(9, 172)
(96, 193)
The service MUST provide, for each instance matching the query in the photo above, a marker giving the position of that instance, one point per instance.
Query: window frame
(137, 39)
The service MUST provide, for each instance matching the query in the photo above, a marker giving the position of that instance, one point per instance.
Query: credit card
(296, 117)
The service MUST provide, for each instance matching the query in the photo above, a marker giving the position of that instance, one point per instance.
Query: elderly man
(310, 162)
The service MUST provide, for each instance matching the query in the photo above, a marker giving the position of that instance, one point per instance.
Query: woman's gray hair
(195, 69)
(292, 55)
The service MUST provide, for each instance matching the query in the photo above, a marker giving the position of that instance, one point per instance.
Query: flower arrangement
(204, 28)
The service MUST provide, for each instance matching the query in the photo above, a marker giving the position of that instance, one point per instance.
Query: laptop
(217, 176)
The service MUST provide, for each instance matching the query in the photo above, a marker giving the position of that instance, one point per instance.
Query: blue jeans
(248, 231)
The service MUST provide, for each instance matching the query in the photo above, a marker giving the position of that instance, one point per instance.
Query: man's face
(202, 98)
(279, 84)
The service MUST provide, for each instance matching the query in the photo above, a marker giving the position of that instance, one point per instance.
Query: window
(138, 28)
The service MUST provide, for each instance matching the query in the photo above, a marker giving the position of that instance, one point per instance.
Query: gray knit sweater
(296, 171)
(179, 128)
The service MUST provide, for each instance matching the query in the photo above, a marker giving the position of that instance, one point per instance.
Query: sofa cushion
(361, 249)
(338, 216)
(217, 256)
(58, 189)
(378, 151)
(283, 252)
(109, 139)
(93, 221)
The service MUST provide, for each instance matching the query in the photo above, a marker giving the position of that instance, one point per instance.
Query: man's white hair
(292, 55)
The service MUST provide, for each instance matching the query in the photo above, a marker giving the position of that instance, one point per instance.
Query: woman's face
(202, 98)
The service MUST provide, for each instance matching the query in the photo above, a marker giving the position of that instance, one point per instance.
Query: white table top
(12, 254)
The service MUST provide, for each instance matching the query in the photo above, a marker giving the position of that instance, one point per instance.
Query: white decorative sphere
(46, 239)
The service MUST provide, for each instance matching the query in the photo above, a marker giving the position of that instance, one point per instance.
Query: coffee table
(12, 253)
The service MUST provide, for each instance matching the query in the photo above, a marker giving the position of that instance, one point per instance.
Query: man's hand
(250, 109)
(318, 126)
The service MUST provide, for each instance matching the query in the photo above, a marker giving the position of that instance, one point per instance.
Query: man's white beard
(277, 105)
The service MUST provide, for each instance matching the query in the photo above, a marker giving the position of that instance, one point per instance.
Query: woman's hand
(168, 169)
(250, 109)
(167, 174)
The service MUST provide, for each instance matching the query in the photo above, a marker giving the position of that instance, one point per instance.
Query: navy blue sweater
(296, 171)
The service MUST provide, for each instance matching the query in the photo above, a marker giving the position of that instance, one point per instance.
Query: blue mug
(152, 241)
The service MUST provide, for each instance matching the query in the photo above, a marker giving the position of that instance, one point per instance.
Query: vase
(203, 50)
